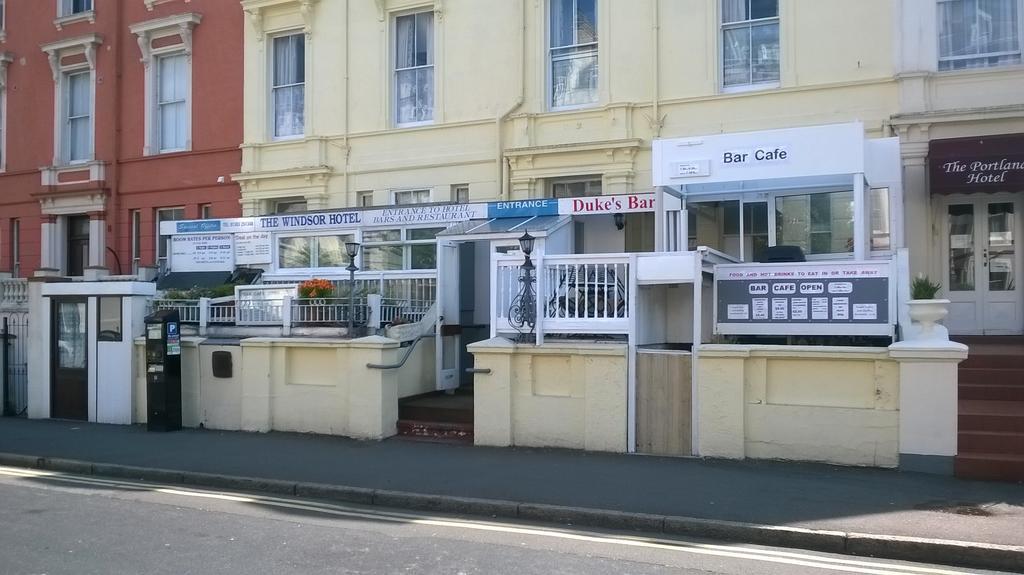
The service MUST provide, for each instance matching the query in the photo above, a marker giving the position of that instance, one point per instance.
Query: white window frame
(65, 116)
(362, 197)
(66, 8)
(65, 15)
(575, 180)
(180, 25)
(358, 236)
(16, 247)
(161, 261)
(458, 191)
(56, 52)
(135, 217)
(271, 88)
(5, 59)
(314, 250)
(722, 27)
(275, 203)
(205, 211)
(938, 47)
(395, 70)
(549, 62)
(413, 191)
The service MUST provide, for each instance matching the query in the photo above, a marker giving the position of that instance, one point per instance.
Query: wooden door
(663, 403)
(69, 381)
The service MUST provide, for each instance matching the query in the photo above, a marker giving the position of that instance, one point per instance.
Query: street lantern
(523, 309)
(352, 249)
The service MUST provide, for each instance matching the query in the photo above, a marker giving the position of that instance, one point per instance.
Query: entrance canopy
(538, 226)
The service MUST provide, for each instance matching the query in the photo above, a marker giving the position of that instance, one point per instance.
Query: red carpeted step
(991, 442)
(436, 430)
(989, 375)
(991, 466)
(996, 392)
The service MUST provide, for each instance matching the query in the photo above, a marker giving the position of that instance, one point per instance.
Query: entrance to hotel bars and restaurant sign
(979, 188)
(982, 265)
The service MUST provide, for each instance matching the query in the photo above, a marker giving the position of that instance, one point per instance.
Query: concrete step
(441, 431)
(1002, 376)
(990, 466)
(985, 391)
(990, 415)
(990, 442)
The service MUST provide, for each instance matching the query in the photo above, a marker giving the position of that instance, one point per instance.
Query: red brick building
(114, 115)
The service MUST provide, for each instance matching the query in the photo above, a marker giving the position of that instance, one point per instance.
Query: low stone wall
(830, 404)
(555, 395)
(293, 384)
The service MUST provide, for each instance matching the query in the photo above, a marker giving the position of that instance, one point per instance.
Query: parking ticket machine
(163, 371)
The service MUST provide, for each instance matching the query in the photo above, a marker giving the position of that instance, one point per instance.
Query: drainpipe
(502, 171)
(657, 122)
(114, 209)
(345, 125)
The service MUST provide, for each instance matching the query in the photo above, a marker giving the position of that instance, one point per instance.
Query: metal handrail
(405, 358)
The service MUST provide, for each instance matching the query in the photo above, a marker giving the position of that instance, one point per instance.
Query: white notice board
(202, 253)
(252, 248)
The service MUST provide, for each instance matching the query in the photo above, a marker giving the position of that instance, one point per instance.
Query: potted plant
(923, 307)
(317, 290)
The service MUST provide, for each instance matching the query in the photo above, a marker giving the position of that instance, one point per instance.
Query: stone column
(48, 244)
(97, 240)
(917, 204)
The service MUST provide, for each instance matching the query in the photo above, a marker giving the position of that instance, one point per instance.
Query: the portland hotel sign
(989, 163)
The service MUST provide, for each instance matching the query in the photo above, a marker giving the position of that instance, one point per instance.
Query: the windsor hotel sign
(965, 165)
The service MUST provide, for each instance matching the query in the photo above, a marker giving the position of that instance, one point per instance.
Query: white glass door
(983, 265)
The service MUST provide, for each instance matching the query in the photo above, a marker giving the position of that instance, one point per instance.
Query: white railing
(219, 310)
(327, 311)
(575, 294)
(188, 309)
(13, 293)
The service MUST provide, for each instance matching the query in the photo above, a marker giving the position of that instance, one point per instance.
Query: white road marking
(735, 551)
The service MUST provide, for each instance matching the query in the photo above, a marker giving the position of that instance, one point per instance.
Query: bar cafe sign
(994, 163)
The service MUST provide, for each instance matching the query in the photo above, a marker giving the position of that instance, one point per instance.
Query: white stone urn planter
(926, 313)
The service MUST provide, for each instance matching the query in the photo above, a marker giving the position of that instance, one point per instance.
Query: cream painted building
(352, 103)
(961, 125)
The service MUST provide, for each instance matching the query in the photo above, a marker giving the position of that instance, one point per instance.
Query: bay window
(414, 68)
(572, 48)
(750, 43)
(288, 91)
(979, 33)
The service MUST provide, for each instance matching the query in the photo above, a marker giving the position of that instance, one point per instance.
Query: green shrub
(923, 288)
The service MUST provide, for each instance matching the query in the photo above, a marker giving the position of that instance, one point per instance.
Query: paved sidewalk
(810, 496)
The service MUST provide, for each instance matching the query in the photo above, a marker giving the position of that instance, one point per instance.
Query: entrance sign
(252, 248)
(841, 298)
(202, 253)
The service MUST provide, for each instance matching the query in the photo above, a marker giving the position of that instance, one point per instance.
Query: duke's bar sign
(990, 163)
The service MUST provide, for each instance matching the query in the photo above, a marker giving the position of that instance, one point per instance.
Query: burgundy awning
(981, 164)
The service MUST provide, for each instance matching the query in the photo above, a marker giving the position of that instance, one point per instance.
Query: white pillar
(97, 240)
(49, 241)
(928, 405)
(861, 219)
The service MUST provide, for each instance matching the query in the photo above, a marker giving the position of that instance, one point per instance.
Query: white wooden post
(204, 314)
(373, 301)
(540, 300)
(286, 315)
(862, 218)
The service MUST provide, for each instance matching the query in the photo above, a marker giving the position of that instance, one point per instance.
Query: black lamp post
(352, 249)
(523, 309)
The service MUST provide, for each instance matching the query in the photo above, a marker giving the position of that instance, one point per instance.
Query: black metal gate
(14, 362)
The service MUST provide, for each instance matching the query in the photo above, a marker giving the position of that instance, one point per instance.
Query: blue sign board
(523, 208)
(198, 226)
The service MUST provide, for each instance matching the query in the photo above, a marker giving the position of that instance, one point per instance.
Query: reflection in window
(1001, 252)
(818, 223)
(331, 251)
(961, 247)
(978, 33)
(881, 237)
(750, 42)
(576, 188)
(294, 253)
(71, 330)
(109, 319)
(717, 225)
(574, 71)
